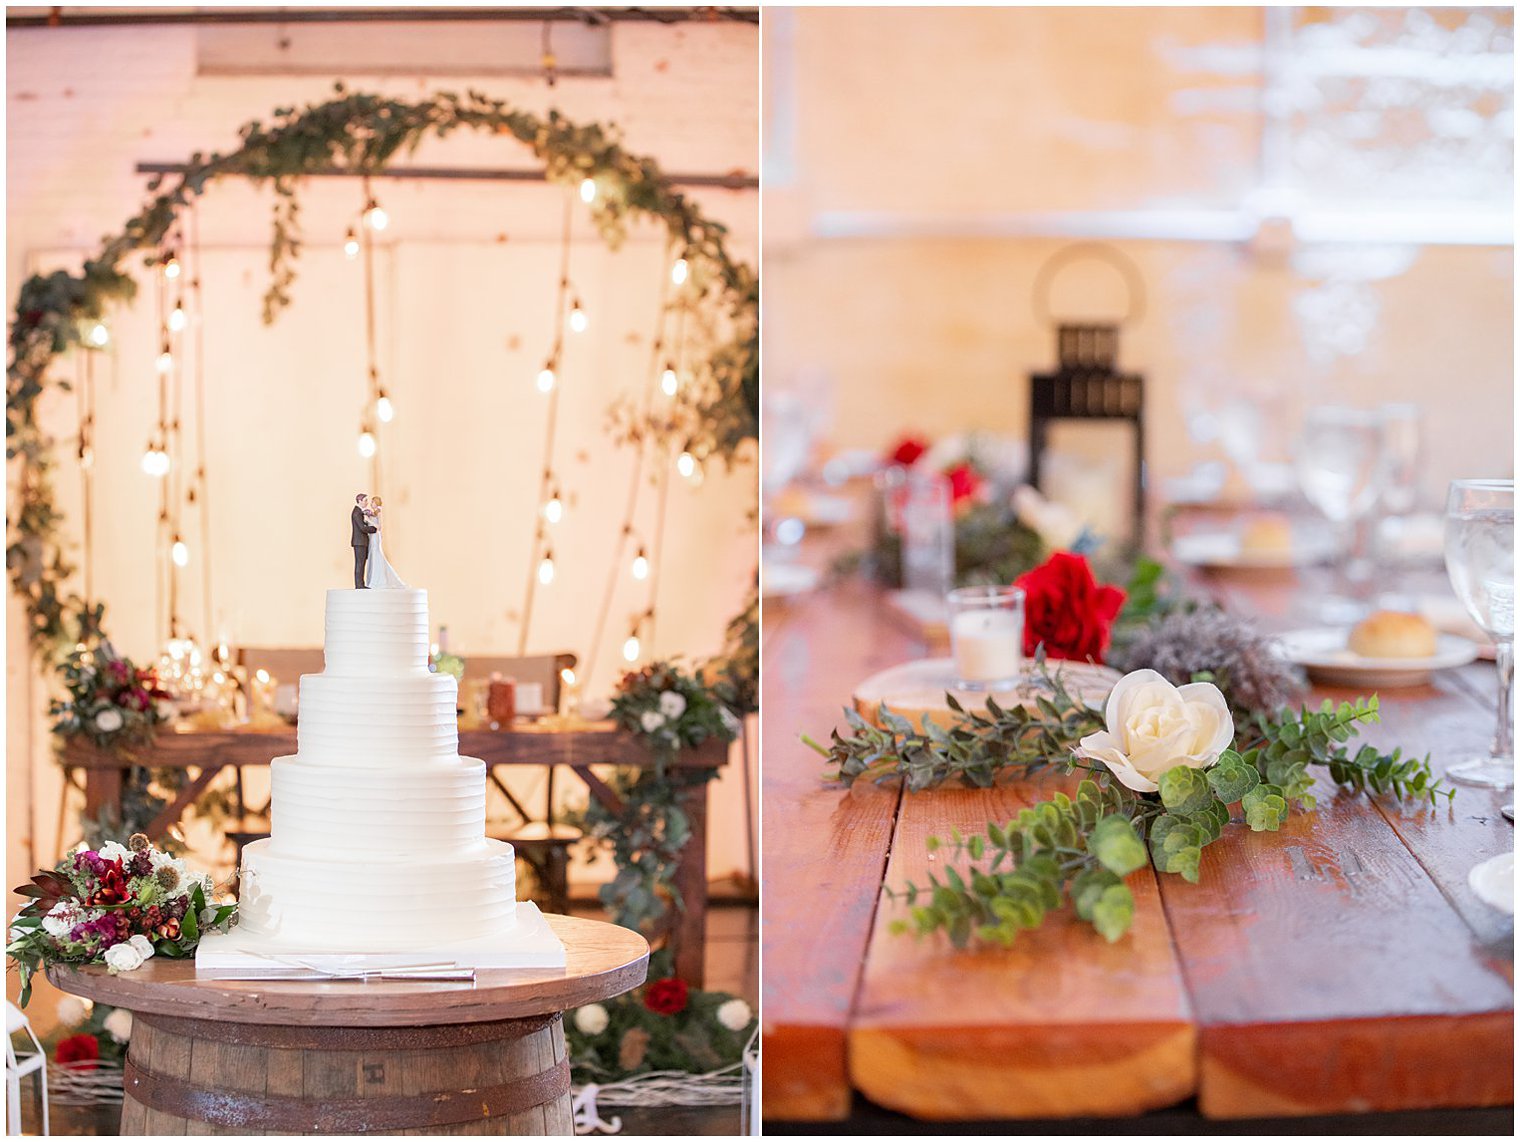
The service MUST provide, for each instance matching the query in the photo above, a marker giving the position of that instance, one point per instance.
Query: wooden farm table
(208, 752)
(229, 1057)
(1339, 965)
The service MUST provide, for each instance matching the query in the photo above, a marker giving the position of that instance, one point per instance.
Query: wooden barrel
(196, 1076)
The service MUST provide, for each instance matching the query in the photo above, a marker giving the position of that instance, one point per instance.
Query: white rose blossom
(730, 723)
(72, 1011)
(651, 720)
(61, 918)
(672, 704)
(123, 957)
(115, 850)
(109, 720)
(591, 1019)
(1154, 726)
(118, 1025)
(1057, 525)
(735, 1015)
(143, 945)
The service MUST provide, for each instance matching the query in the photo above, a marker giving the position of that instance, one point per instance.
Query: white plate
(784, 580)
(1221, 550)
(1323, 652)
(1494, 882)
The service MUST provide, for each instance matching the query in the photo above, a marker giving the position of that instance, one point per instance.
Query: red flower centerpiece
(78, 1051)
(965, 483)
(1067, 609)
(907, 450)
(666, 996)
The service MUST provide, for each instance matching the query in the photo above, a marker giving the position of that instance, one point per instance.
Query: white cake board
(530, 944)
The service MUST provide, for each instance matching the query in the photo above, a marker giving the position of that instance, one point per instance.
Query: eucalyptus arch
(711, 418)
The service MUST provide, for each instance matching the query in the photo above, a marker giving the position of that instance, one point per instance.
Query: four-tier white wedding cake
(378, 845)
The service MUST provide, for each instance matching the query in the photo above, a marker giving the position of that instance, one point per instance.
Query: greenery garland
(1079, 847)
(713, 416)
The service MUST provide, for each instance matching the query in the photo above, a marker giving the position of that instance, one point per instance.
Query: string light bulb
(686, 464)
(384, 409)
(171, 267)
(100, 336)
(588, 190)
(546, 379)
(578, 319)
(86, 456)
(669, 381)
(554, 510)
(640, 567)
(366, 443)
(680, 272)
(351, 245)
(375, 216)
(155, 461)
(631, 647)
(166, 360)
(177, 320)
(546, 568)
(180, 552)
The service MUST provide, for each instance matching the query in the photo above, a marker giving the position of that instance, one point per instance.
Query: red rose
(666, 996)
(908, 450)
(1067, 610)
(80, 1049)
(965, 483)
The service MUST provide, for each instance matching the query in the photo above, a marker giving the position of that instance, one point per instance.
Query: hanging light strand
(541, 556)
(87, 468)
(202, 485)
(374, 219)
(636, 479)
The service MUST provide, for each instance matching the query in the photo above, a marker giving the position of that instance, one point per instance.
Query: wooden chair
(543, 843)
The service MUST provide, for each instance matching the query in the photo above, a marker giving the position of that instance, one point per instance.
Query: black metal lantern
(1086, 385)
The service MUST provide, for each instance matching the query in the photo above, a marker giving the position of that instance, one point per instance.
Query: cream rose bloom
(591, 1019)
(118, 1025)
(123, 957)
(735, 1014)
(1154, 726)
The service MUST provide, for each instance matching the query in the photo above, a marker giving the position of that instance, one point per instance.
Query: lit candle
(987, 636)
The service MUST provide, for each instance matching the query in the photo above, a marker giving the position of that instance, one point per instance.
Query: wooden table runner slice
(917, 690)
(825, 850)
(1061, 1024)
(1329, 974)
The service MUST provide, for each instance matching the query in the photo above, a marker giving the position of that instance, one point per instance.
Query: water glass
(987, 636)
(1341, 465)
(1480, 560)
(927, 526)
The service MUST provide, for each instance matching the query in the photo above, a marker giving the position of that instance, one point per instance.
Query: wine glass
(1400, 492)
(1480, 560)
(1340, 462)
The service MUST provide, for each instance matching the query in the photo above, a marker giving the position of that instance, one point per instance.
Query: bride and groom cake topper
(371, 569)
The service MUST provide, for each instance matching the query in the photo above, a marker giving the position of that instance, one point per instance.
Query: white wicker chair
(17, 1066)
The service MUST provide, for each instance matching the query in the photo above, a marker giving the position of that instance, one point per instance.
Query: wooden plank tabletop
(1339, 965)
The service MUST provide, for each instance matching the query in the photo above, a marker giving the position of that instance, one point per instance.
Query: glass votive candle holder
(987, 636)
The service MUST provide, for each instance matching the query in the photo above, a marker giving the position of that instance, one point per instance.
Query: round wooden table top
(602, 960)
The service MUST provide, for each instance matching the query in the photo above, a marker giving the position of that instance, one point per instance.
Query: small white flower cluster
(109, 720)
(129, 955)
(672, 706)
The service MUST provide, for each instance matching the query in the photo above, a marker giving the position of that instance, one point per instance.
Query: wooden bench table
(244, 1057)
(1340, 965)
(209, 752)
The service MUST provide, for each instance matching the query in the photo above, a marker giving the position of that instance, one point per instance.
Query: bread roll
(1267, 535)
(1393, 634)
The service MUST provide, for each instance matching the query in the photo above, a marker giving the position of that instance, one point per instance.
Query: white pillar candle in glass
(987, 636)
